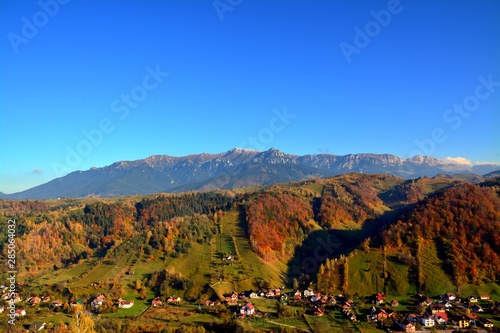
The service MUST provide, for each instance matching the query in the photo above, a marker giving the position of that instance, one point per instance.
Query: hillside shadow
(442, 255)
(242, 221)
(319, 246)
(395, 197)
(373, 227)
(316, 205)
(322, 244)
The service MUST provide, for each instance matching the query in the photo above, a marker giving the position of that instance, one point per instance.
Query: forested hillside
(281, 224)
(277, 223)
(354, 234)
(464, 221)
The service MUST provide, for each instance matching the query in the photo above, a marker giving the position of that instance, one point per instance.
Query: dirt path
(280, 324)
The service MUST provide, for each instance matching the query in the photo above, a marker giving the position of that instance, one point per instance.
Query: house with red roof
(35, 300)
(247, 309)
(441, 318)
(156, 302)
(125, 304)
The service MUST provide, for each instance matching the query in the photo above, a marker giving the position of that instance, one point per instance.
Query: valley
(305, 256)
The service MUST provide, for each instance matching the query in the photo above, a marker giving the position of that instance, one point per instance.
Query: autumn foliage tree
(351, 202)
(163, 208)
(465, 222)
(277, 222)
(81, 322)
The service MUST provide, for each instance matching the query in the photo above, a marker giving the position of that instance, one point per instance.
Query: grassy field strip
(340, 321)
(199, 319)
(65, 274)
(437, 282)
(222, 288)
(99, 271)
(266, 305)
(213, 263)
(56, 318)
(117, 269)
(492, 289)
(235, 247)
(325, 322)
(253, 265)
(314, 187)
(286, 325)
(145, 266)
(90, 277)
(129, 279)
(365, 268)
(308, 323)
(194, 265)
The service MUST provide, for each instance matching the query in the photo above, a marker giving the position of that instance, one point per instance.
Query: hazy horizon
(446, 160)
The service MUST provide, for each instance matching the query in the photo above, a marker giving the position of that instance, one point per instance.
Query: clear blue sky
(230, 69)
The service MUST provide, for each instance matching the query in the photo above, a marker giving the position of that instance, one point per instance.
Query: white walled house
(426, 321)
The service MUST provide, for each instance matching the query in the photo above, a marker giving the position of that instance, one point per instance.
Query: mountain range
(235, 168)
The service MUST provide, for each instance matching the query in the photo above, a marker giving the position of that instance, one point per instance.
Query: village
(446, 313)
(437, 313)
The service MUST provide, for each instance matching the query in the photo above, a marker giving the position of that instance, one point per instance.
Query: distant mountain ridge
(232, 169)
